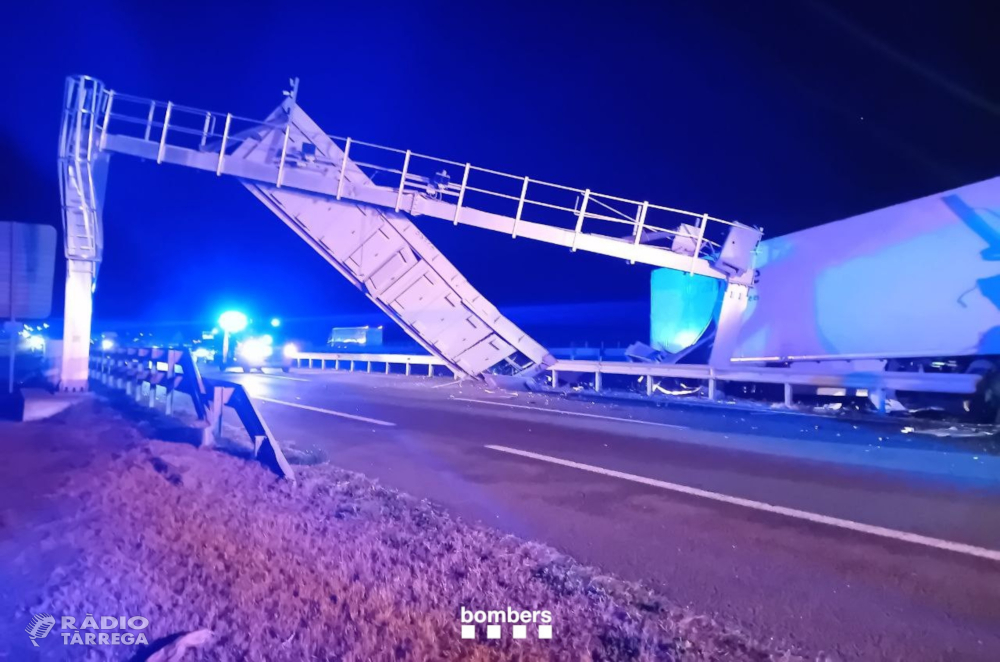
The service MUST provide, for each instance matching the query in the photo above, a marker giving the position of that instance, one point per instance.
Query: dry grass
(335, 567)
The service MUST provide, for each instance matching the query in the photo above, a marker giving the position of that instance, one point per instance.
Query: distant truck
(913, 287)
(354, 337)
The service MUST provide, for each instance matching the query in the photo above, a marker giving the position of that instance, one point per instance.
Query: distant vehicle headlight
(255, 350)
(35, 343)
(203, 353)
(107, 344)
(290, 351)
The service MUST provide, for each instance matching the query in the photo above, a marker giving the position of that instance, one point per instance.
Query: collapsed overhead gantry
(353, 203)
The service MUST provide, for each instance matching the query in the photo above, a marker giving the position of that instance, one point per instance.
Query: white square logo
(492, 631)
(520, 631)
(468, 632)
(544, 631)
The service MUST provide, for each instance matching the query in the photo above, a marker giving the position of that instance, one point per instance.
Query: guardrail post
(649, 384)
(407, 368)
(336, 364)
(352, 365)
(788, 395)
(322, 364)
(152, 393)
(430, 369)
(219, 405)
(369, 367)
(597, 381)
(555, 378)
(711, 384)
(879, 400)
(387, 367)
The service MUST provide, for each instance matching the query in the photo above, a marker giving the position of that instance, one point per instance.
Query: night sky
(777, 114)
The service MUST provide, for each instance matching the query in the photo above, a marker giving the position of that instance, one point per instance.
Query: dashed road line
(331, 412)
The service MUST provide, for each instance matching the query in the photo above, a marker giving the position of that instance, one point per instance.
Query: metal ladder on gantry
(354, 203)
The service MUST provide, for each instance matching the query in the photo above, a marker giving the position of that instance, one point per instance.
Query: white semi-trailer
(915, 286)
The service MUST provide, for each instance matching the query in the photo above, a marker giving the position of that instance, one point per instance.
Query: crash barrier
(141, 371)
(878, 385)
(350, 361)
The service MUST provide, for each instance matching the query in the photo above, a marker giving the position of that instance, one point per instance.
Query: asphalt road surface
(850, 538)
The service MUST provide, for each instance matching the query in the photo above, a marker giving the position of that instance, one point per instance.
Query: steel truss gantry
(354, 202)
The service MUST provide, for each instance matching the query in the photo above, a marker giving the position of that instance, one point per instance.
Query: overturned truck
(912, 287)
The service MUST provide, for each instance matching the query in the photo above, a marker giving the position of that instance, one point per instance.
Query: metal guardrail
(352, 359)
(141, 371)
(877, 383)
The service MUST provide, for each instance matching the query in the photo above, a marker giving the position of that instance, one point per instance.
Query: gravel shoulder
(105, 511)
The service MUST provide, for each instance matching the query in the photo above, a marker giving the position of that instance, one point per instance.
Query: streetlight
(275, 322)
(231, 321)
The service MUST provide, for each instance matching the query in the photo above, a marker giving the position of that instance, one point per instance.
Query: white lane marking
(915, 538)
(573, 413)
(331, 412)
(294, 379)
